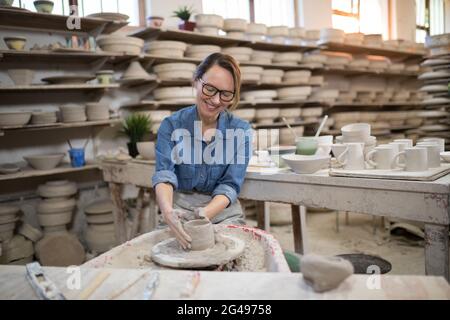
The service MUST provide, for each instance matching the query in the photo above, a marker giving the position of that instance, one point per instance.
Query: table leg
(298, 227)
(267, 216)
(118, 212)
(436, 250)
(260, 214)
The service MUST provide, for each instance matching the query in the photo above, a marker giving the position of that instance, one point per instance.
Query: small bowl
(305, 164)
(356, 130)
(146, 149)
(43, 6)
(45, 161)
(445, 156)
(15, 43)
(306, 145)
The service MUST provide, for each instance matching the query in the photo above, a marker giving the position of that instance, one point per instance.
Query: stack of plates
(17, 251)
(277, 34)
(100, 235)
(166, 48)
(267, 115)
(332, 35)
(259, 95)
(242, 54)
(73, 113)
(97, 111)
(43, 117)
(263, 57)
(272, 76)
(175, 71)
(251, 74)
(294, 93)
(256, 31)
(287, 58)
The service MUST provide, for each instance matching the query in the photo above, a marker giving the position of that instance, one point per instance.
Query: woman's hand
(173, 219)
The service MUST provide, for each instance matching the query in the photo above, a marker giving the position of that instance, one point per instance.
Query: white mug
(354, 156)
(416, 159)
(439, 141)
(383, 157)
(409, 142)
(434, 155)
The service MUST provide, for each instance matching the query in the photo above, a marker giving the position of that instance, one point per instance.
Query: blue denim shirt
(232, 153)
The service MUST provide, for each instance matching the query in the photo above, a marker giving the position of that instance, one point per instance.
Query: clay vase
(202, 233)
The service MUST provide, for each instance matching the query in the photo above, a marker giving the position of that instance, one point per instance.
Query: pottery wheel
(170, 254)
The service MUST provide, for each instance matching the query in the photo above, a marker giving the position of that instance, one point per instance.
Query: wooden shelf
(377, 51)
(58, 125)
(52, 57)
(28, 172)
(152, 104)
(357, 72)
(23, 19)
(154, 59)
(58, 87)
(375, 104)
(151, 33)
(282, 124)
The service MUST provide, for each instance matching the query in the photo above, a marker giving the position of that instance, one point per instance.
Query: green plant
(184, 13)
(136, 126)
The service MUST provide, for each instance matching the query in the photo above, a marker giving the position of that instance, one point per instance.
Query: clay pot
(16, 249)
(100, 241)
(15, 43)
(60, 249)
(43, 6)
(209, 20)
(99, 218)
(146, 149)
(55, 229)
(187, 26)
(21, 77)
(14, 118)
(202, 234)
(122, 44)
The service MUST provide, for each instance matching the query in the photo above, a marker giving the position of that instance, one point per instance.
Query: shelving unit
(58, 125)
(58, 87)
(28, 172)
(24, 19)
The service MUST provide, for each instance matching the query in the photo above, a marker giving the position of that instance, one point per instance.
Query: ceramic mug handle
(339, 159)
(369, 158)
(396, 161)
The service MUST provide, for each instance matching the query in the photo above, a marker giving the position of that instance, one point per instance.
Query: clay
(56, 205)
(22, 262)
(202, 234)
(60, 250)
(55, 219)
(324, 273)
(170, 254)
(55, 229)
(57, 188)
(5, 209)
(17, 248)
(30, 232)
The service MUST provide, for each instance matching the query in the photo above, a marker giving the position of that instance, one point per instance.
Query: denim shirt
(223, 176)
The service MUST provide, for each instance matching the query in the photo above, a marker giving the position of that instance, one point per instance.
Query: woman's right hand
(173, 220)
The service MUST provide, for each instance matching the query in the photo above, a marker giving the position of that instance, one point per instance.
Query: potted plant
(184, 13)
(135, 127)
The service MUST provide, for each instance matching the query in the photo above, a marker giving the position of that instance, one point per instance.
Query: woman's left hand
(197, 213)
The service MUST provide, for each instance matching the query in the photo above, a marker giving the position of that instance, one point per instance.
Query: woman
(201, 153)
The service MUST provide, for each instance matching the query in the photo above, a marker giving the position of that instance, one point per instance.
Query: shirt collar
(222, 122)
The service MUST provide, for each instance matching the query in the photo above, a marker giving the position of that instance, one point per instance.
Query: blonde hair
(228, 63)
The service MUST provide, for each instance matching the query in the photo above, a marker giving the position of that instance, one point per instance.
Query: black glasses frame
(206, 93)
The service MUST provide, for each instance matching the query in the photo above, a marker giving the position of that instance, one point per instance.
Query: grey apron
(191, 200)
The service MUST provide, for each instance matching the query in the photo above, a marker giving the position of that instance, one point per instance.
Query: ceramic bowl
(21, 77)
(44, 161)
(278, 31)
(235, 25)
(287, 56)
(105, 76)
(99, 207)
(290, 112)
(245, 113)
(257, 28)
(120, 44)
(97, 111)
(146, 149)
(305, 164)
(174, 93)
(267, 113)
(57, 189)
(209, 20)
(56, 205)
(15, 43)
(43, 6)
(356, 130)
(54, 219)
(294, 92)
(14, 118)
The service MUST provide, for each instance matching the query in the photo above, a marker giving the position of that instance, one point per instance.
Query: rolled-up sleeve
(165, 167)
(231, 181)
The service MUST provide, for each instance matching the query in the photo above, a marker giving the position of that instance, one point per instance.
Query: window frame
(350, 14)
(425, 28)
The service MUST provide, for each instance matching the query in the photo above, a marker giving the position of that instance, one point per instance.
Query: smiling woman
(196, 188)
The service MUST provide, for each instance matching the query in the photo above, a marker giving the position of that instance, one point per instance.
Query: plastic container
(77, 157)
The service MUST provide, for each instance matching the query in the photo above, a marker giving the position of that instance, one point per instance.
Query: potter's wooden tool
(118, 293)
(42, 285)
(99, 279)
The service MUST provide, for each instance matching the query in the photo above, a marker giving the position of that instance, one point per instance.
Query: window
(346, 15)
(269, 12)
(429, 18)
(86, 7)
(368, 16)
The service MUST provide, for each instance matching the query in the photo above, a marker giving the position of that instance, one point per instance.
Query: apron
(190, 200)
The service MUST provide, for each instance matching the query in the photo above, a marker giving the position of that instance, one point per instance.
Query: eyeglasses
(211, 91)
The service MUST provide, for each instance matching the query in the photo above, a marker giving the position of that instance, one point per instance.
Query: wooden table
(130, 284)
(426, 202)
